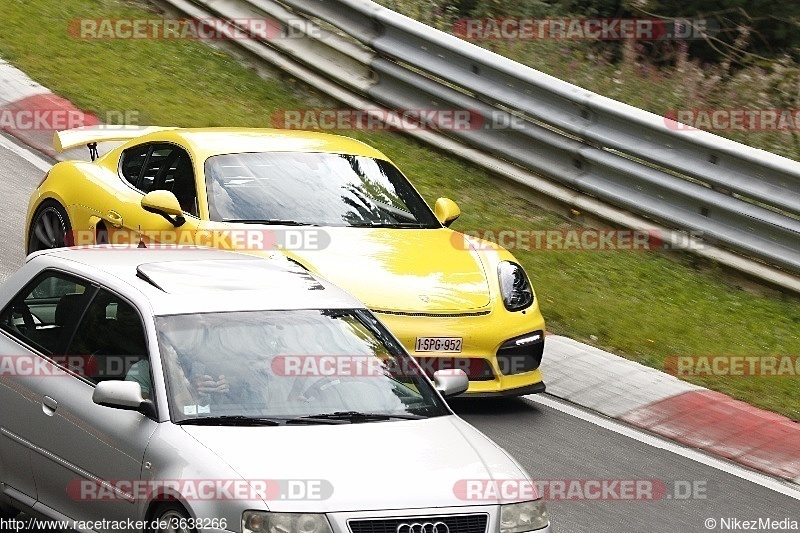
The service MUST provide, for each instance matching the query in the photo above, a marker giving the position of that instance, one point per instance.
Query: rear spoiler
(66, 139)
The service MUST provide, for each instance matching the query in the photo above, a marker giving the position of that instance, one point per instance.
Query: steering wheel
(312, 393)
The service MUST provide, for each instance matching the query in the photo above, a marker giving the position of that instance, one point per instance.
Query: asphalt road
(18, 178)
(570, 452)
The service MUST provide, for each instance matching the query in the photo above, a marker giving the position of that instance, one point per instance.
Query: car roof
(186, 279)
(208, 142)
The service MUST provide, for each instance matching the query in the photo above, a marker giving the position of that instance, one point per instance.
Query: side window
(132, 162)
(179, 178)
(111, 337)
(166, 167)
(161, 157)
(46, 311)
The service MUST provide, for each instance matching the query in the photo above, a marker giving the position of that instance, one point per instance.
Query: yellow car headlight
(515, 288)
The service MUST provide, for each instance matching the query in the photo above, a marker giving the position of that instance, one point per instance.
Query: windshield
(283, 365)
(312, 188)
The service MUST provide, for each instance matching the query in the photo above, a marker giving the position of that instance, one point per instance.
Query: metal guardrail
(735, 196)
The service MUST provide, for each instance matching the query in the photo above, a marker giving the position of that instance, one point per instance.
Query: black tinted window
(178, 177)
(158, 161)
(156, 167)
(132, 162)
(111, 334)
(45, 313)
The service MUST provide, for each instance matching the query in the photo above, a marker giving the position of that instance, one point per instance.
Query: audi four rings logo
(423, 527)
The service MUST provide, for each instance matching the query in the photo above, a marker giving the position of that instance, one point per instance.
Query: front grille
(471, 523)
(521, 354)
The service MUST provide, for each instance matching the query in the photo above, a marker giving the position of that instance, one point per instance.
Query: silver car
(201, 390)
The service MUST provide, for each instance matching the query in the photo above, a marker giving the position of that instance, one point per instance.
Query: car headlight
(525, 516)
(514, 286)
(266, 522)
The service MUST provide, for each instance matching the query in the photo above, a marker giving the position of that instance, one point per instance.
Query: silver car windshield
(298, 366)
(320, 189)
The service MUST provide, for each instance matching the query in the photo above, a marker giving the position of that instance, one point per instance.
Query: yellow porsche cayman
(334, 205)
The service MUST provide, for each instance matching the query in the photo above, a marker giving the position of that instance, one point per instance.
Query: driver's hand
(206, 384)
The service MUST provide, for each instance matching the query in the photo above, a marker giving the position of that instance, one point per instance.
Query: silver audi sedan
(201, 390)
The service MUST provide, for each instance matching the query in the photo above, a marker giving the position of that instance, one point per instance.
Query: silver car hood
(368, 466)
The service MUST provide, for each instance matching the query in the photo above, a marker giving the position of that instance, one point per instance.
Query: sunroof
(226, 275)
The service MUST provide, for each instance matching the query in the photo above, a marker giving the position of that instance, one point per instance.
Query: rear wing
(91, 135)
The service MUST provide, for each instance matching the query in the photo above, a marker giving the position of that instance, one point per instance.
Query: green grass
(645, 306)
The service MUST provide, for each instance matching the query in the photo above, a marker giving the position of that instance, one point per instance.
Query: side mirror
(166, 204)
(450, 382)
(446, 211)
(122, 395)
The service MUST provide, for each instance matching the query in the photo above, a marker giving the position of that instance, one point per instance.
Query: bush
(770, 29)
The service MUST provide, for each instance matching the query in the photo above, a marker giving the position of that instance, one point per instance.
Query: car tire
(171, 514)
(50, 227)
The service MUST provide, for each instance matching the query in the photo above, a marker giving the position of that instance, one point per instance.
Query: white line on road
(777, 485)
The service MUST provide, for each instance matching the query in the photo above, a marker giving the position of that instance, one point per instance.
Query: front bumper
(340, 520)
(483, 334)
(535, 388)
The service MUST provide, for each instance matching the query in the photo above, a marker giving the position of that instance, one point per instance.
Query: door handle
(49, 406)
(115, 219)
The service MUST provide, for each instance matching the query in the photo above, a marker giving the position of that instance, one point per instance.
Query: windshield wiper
(268, 221)
(378, 224)
(230, 420)
(403, 225)
(350, 416)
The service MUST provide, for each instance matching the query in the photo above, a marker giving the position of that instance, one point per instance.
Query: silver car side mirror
(450, 382)
(122, 395)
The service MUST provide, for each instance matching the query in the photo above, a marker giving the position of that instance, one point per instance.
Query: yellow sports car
(334, 205)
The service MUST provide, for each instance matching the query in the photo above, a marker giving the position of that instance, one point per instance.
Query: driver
(203, 384)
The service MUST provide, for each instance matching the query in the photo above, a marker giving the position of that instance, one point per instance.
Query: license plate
(438, 344)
